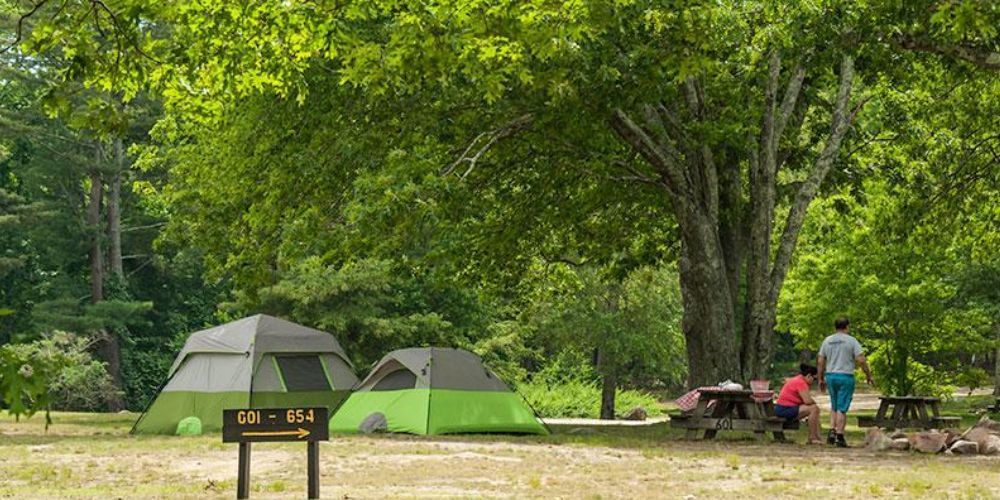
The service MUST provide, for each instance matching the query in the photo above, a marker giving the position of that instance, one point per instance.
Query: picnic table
(729, 410)
(908, 412)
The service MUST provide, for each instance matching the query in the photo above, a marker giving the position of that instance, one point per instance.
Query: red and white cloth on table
(689, 400)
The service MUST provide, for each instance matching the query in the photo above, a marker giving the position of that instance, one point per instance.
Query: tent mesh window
(303, 373)
(396, 380)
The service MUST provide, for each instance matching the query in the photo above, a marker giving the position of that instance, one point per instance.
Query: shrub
(972, 377)
(83, 386)
(578, 398)
(905, 376)
(55, 372)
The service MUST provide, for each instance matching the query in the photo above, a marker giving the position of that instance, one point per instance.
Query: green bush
(577, 398)
(82, 386)
(55, 372)
(905, 376)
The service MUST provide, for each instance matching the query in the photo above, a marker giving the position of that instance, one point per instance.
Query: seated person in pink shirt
(795, 402)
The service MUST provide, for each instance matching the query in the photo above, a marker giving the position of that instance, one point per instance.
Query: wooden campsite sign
(309, 425)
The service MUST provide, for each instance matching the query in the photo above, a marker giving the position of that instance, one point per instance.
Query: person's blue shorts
(786, 412)
(841, 386)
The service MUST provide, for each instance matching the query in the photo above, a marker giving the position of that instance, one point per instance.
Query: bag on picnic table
(729, 385)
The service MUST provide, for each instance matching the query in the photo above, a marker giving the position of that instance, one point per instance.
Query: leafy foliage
(55, 372)
(373, 307)
(581, 398)
(900, 290)
(634, 323)
(443, 172)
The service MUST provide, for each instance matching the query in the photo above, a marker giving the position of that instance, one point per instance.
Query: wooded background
(597, 193)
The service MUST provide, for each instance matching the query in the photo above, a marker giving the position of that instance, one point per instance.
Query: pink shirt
(790, 393)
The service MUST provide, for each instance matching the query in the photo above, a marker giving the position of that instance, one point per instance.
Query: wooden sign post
(276, 424)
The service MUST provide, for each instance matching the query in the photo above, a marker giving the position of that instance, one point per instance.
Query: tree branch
(19, 30)
(639, 140)
(790, 100)
(807, 192)
(492, 138)
(984, 58)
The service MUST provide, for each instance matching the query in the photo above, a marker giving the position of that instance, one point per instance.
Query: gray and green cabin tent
(255, 362)
(436, 391)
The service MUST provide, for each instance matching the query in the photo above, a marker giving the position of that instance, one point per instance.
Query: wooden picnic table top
(926, 399)
(727, 392)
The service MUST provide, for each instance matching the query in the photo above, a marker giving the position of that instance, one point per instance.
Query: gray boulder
(375, 422)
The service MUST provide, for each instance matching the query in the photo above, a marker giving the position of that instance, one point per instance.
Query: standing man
(838, 357)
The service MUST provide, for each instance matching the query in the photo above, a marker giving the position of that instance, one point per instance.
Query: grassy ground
(91, 455)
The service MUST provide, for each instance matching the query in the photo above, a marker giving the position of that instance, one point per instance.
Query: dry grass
(86, 455)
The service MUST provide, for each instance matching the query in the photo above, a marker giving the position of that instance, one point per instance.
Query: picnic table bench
(908, 412)
(727, 410)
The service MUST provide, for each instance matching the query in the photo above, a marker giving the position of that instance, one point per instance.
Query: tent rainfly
(435, 391)
(255, 362)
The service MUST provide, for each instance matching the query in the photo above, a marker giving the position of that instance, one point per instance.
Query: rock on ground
(897, 434)
(900, 444)
(376, 422)
(876, 440)
(953, 437)
(987, 423)
(989, 443)
(637, 413)
(963, 447)
(928, 442)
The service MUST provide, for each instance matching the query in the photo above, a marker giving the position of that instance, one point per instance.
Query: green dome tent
(436, 391)
(255, 362)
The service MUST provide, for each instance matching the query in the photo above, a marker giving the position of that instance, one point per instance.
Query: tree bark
(759, 319)
(109, 351)
(709, 320)
(94, 226)
(609, 385)
(108, 348)
(114, 214)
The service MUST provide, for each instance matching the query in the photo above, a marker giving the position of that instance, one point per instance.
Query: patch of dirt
(611, 465)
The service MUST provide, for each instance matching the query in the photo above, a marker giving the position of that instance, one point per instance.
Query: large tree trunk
(706, 200)
(709, 319)
(114, 214)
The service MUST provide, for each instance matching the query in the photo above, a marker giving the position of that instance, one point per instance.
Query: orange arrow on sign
(301, 433)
